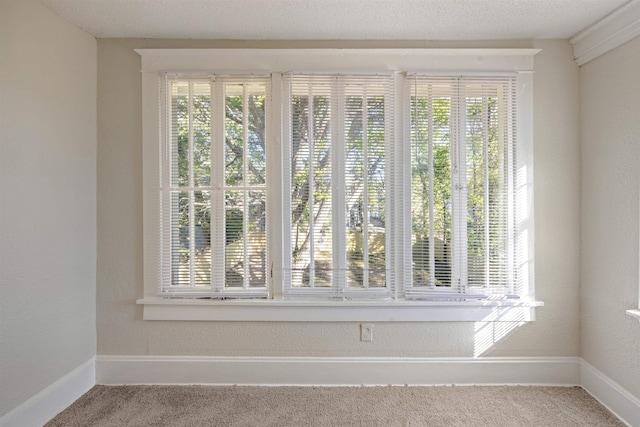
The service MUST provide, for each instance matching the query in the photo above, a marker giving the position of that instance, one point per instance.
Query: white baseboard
(618, 400)
(53, 399)
(113, 370)
(346, 371)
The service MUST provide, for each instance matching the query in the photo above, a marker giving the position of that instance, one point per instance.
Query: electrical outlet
(366, 332)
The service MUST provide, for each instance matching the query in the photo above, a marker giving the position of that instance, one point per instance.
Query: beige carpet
(335, 406)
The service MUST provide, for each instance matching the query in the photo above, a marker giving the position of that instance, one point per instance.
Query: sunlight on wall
(523, 225)
(489, 332)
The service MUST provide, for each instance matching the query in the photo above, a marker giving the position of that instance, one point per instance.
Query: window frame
(275, 62)
(457, 145)
(217, 188)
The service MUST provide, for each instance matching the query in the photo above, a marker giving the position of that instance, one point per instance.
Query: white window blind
(337, 174)
(213, 187)
(463, 180)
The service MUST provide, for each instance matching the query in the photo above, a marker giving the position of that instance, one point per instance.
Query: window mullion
(400, 240)
(432, 214)
(245, 191)
(365, 191)
(337, 108)
(507, 114)
(277, 175)
(391, 129)
(217, 185)
(287, 178)
(459, 191)
(166, 266)
(312, 155)
(485, 156)
(191, 192)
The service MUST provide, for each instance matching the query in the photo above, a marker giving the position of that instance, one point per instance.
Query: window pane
(477, 134)
(354, 191)
(245, 130)
(191, 238)
(201, 133)
(431, 216)
(462, 146)
(376, 191)
(498, 152)
(300, 191)
(190, 133)
(322, 201)
(257, 238)
(256, 138)
(245, 239)
(311, 232)
(234, 252)
(234, 135)
(202, 238)
(488, 222)
(365, 190)
(180, 266)
(179, 134)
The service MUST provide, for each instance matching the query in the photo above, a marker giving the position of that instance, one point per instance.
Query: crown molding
(612, 31)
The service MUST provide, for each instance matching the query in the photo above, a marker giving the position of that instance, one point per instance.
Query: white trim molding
(634, 313)
(370, 371)
(337, 371)
(612, 31)
(615, 398)
(324, 371)
(260, 61)
(343, 311)
(54, 399)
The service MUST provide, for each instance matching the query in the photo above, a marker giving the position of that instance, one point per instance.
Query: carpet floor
(182, 406)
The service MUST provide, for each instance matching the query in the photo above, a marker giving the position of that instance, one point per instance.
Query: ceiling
(334, 19)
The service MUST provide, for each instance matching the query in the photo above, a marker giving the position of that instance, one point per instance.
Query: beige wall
(610, 128)
(48, 199)
(121, 330)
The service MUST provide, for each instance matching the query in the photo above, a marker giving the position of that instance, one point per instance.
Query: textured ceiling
(334, 19)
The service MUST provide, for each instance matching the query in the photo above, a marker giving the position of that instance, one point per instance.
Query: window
(339, 133)
(370, 193)
(213, 192)
(463, 181)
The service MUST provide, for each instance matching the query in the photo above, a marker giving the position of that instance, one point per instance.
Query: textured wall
(610, 126)
(121, 330)
(48, 191)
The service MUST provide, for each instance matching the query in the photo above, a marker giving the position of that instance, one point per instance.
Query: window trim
(342, 311)
(276, 61)
(634, 313)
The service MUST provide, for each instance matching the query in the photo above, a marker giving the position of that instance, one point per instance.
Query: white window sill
(634, 313)
(342, 311)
